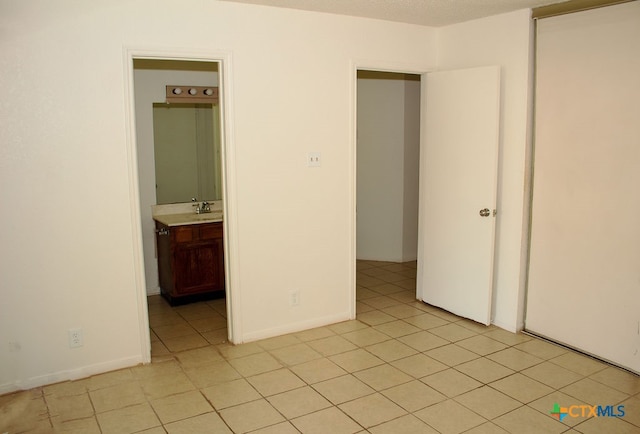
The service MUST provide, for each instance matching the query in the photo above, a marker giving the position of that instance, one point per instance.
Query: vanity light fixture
(192, 94)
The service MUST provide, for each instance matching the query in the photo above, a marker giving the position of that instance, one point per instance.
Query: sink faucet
(201, 208)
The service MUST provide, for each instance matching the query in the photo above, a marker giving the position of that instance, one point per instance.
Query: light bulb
(177, 91)
(192, 91)
(208, 92)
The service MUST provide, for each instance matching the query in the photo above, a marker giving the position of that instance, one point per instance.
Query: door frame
(382, 66)
(229, 185)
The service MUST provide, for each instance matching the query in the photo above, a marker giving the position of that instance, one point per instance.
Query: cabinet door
(198, 267)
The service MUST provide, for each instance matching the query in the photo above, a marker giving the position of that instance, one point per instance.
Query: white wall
(149, 87)
(503, 40)
(411, 170)
(69, 242)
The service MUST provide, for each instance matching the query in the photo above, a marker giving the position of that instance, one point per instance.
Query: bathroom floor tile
(187, 342)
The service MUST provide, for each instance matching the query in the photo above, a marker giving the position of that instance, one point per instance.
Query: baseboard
(294, 327)
(71, 374)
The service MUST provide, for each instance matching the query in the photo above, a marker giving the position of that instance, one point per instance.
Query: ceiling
(434, 13)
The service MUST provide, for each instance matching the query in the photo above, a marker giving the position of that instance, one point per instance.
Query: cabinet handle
(162, 231)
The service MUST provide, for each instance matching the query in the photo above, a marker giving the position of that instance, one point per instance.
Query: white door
(584, 272)
(458, 182)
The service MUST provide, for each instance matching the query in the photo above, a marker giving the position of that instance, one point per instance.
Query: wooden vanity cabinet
(190, 261)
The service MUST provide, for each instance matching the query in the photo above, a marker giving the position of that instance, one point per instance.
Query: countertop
(188, 218)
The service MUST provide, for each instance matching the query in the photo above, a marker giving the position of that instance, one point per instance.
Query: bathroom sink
(207, 216)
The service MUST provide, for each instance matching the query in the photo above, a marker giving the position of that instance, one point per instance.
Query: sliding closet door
(584, 280)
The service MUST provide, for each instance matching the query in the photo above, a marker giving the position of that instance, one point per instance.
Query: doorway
(387, 166)
(141, 160)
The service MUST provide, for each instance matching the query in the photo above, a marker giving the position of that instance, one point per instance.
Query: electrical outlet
(294, 298)
(75, 338)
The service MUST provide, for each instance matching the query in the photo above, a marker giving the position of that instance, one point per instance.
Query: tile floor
(401, 367)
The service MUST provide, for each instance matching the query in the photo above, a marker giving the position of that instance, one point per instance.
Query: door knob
(485, 212)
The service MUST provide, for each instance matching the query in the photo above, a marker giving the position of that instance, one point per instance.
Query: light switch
(313, 159)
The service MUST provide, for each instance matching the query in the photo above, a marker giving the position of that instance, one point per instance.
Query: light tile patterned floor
(401, 367)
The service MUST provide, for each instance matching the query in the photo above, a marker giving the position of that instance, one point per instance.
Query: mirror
(187, 152)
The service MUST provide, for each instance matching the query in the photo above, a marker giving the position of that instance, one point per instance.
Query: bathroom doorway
(149, 74)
